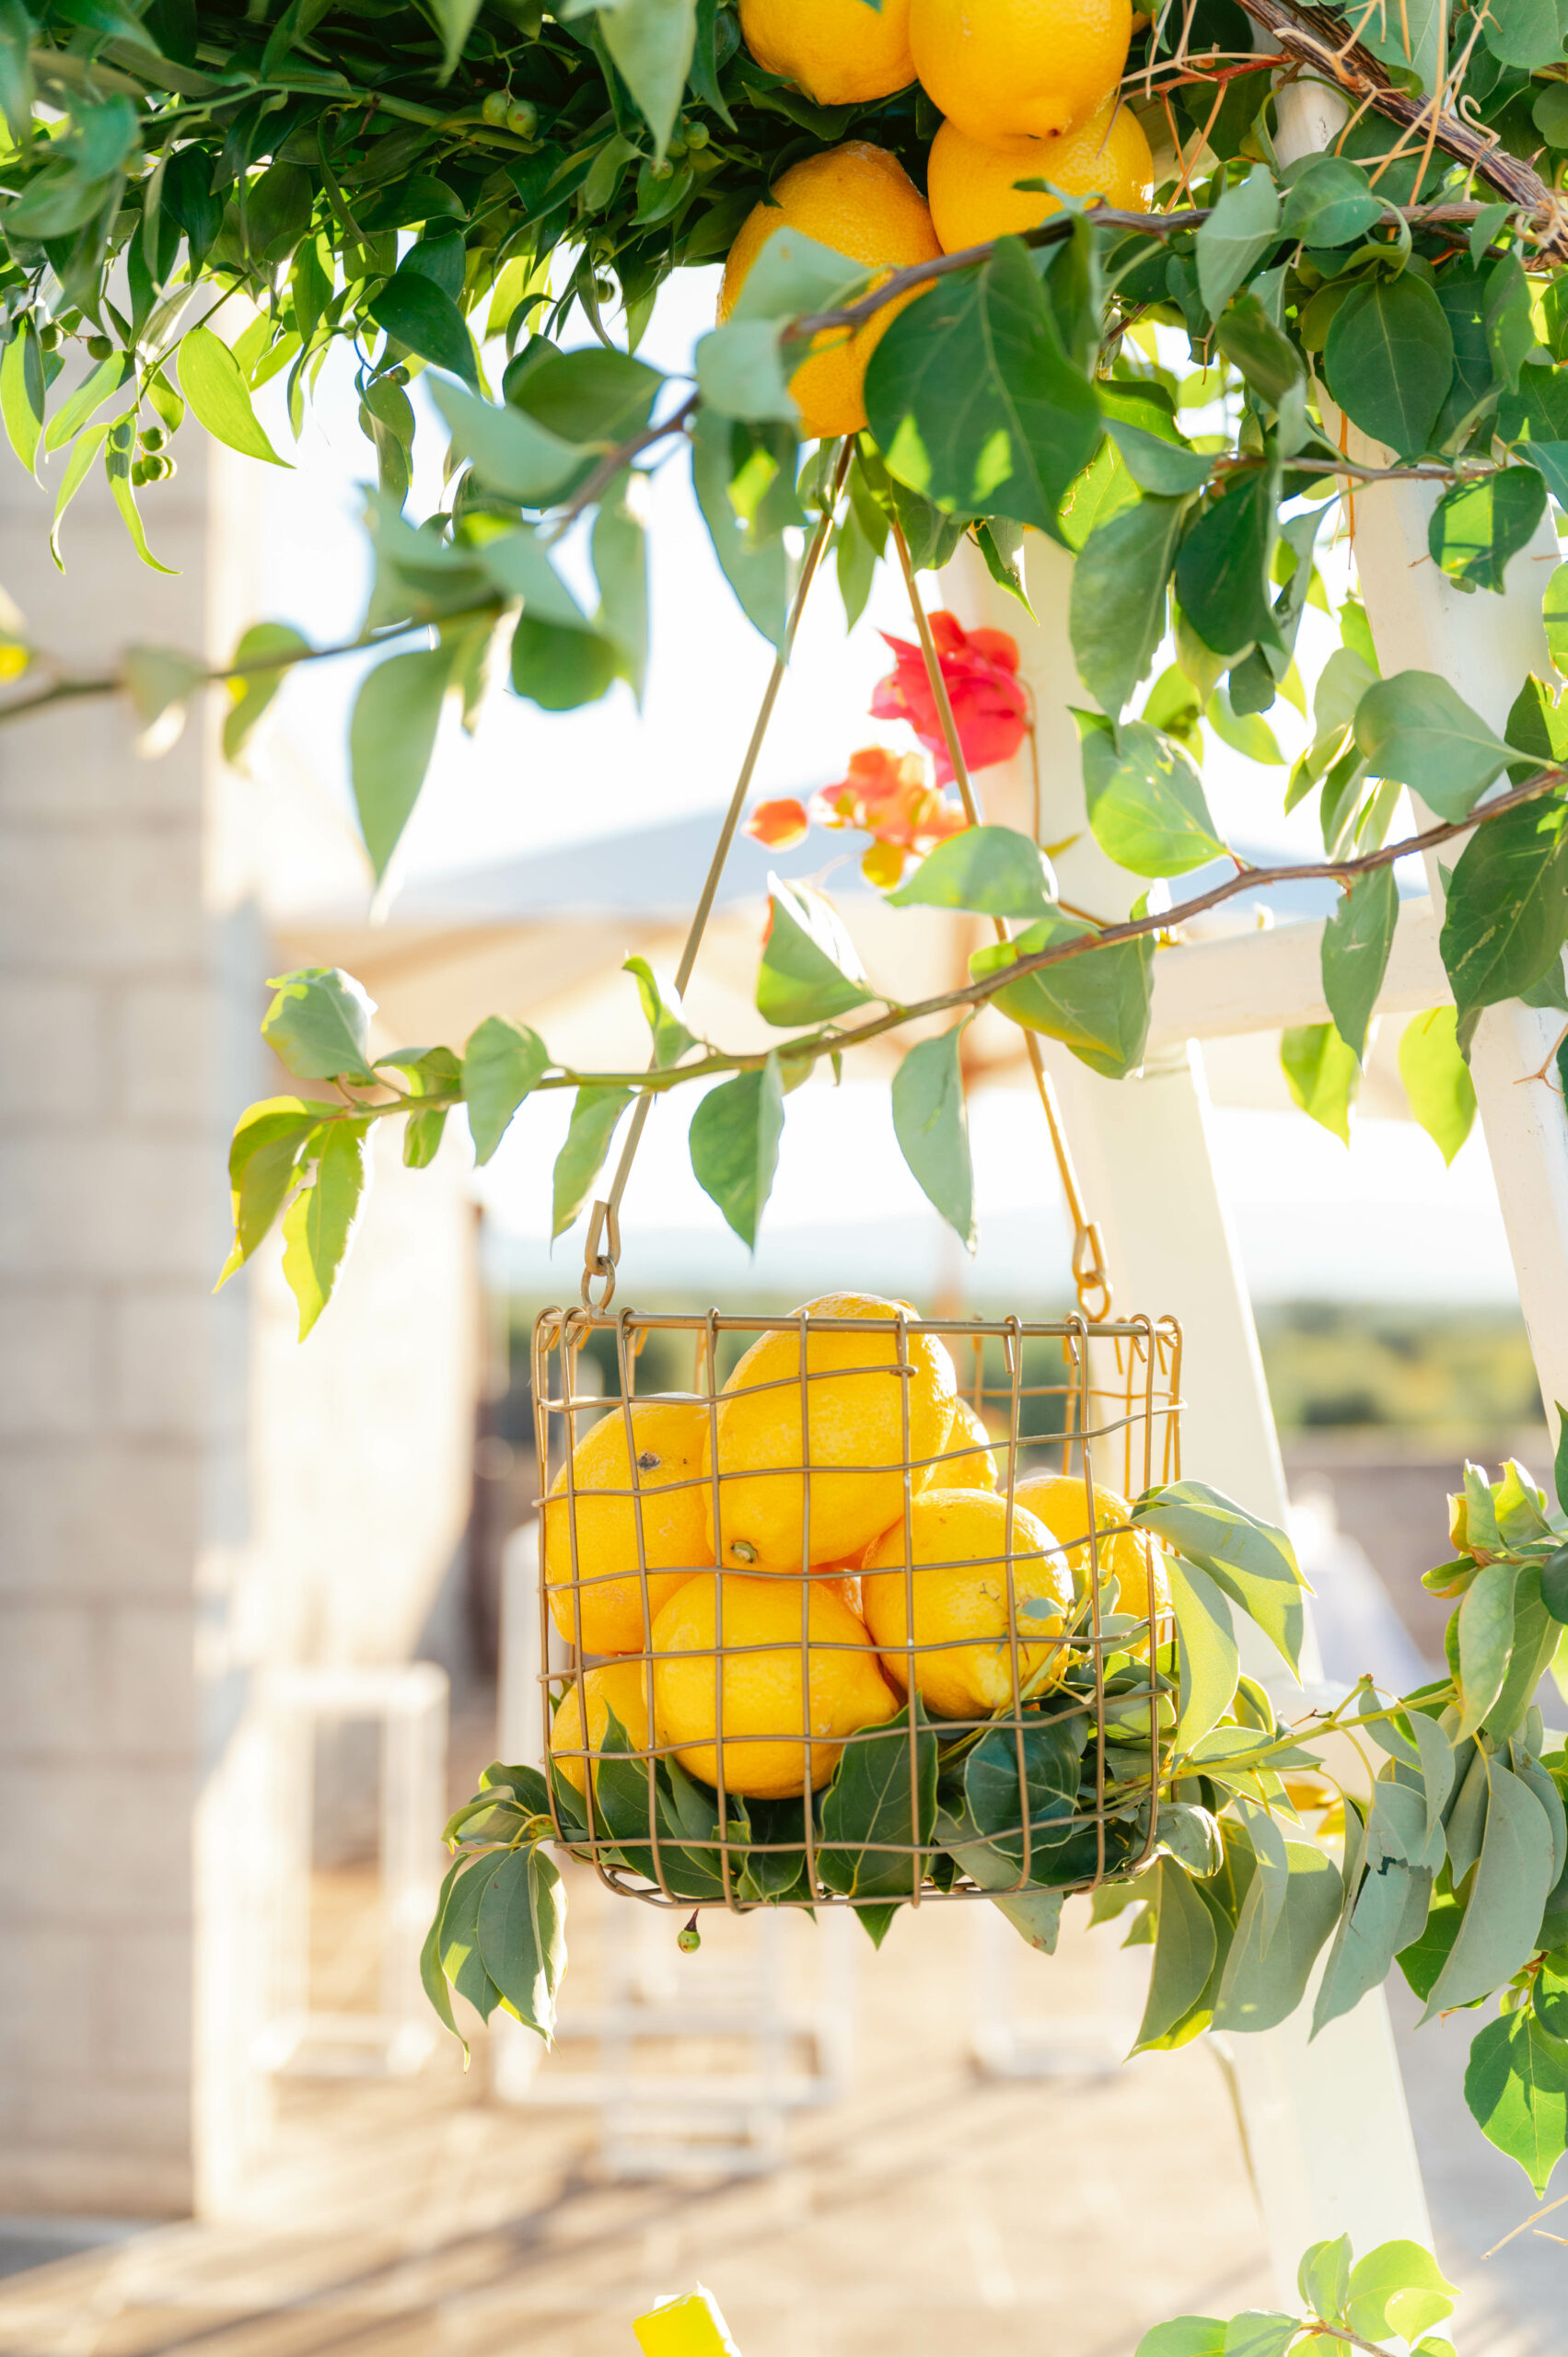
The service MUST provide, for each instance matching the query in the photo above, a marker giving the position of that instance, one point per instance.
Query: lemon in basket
(961, 1591)
(603, 1611)
(852, 1436)
(618, 1686)
(974, 1466)
(761, 1623)
(1133, 1557)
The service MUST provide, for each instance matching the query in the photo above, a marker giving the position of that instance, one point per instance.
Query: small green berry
(49, 336)
(139, 469)
(689, 1939)
(494, 107)
(604, 288)
(99, 347)
(660, 171)
(522, 117)
(696, 135)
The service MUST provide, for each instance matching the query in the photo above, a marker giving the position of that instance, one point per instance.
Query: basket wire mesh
(1097, 1402)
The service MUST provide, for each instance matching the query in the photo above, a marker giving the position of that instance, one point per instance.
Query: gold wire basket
(1052, 1785)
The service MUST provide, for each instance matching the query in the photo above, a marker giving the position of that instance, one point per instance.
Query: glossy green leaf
(1208, 1661)
(391, 736)
(1184, 2336)
(318, 1226)
(1322, 1074)
(423, 317)
(1517, 2087)
(595, 1113)
(993, 871)
(319, 1024)
(560, 667)
(1265, 1977)
(811, 969)
(252, 693)
(74, 412)
(652, 43)
(1266, 357)
(502, 1064)
(1117, 607)
(1415, 729)
(670, 1037)
(1554, 605)
(1146, 801)
(22, 393)
(458, 1934)
(522, 1926)
(1252, 1561)
(1222, 568)
(1260, 2332)
(1330, 202)
(1513, 1877)
(931, 1127)
(1166, 470)
(877, 1818)
(621, 569)
(1185, 1950)
(754, 557)
(1438, 1079)
(1243, 227)
(1507, 912)
(1356, 942)
(1098, 1001)
(432, 1978)
(734, 1144)
(1388, 358)
(1477, 528)
(1398, 2288)
(511, 452)
(265, 1157)
(213, 384)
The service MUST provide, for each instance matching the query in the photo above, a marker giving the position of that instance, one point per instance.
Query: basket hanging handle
(602, 1249)
(1090, 1276)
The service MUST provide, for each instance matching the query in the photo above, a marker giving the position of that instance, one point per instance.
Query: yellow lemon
(973, 1467)
(618, 1686)
(603, 1613)
(970, 190)
(960, 1600)
(764, 1694)
(1136, 1557)
(859, 200)
(838, 51)
(854, 1434)
(1001, 69)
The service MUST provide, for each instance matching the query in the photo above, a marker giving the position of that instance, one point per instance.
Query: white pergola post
(1326, 2129)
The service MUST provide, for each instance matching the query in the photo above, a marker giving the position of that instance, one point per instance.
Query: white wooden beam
(1268, 981)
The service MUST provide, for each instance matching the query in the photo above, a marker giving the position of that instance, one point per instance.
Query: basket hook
(604, 1229)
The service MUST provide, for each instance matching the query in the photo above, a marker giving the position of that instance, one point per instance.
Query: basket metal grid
(1096, 1400)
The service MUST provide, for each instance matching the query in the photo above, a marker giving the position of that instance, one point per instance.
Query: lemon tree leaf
(595, 1113)
(522, 1935)
(1513, 1877)
(734, 1144)
(932, 1126)
(502, 1064)
(432, 1978)
(1507, 912)
(423, 317)
(1207, 1656)
(879, 1813)
(214, 383)
(1415, 729)
(457, 1934)
(391, 736)
(1438, 1079)
(1185, 1950)
(1242, 228)
(1117, 607)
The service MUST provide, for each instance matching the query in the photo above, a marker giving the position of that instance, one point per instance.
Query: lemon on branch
(838, 51)
(618, 1686)
(1002, 68)
(970, 184)
(960, 1589)
(852, 1437)
(768, 1709)
(860, 202)
(603, 1612)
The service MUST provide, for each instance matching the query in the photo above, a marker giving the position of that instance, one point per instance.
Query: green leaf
(653, 42)
(1356, 942)
(432, 1978)
(1331, 202)
(1438, 1079)
(457, 1935)
(1168, 469)
(1248, 732)
(596, 397)
(1322, 1073)
(423, 319)
(1524, 32)
(1559, 1462)
(1207, 1658)
(1146, 801)
(1222, 569)
(595, 1112)
(214, 383)
(22, 393)
(16, 92)
(794, 274)
(560, 665)
(742, 369)
(1184, 2336)
(74, 413)
(1388, 357)
(1117, 607)
(502, 1064)
(1251, 341)
(1415, 729)
(1485, 1622)
(877, 1815)
(1185, 1950)
(84, 451)
(1265, 1977)
(522, 1935)
(1323, 2276)
(754, 557)
(995, 871)
(1507, 914)
(318, 1226)
(1096, 1002)
(1370, 1934)
(119, 442)
(1251, 1560)
(932, 1128)
(973, 401)
(670, 1037)
(251, 694)
(318, 1025)
(1477, 528)
(1398, 2288)
(1554, 605)
(1260, 2332)
(391, 736)
(1517, 2087)
(1513, 1877)
(513, 454)
(423, 1133)
(620, 568)
(1243, 227)
(811, 969)
(734, 1143)
(455, 18)
(264, 1160)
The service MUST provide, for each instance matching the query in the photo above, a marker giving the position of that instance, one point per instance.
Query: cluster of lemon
(1028, 90)
(823, 1655)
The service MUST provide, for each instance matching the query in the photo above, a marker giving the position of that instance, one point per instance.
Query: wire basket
(742, 1709)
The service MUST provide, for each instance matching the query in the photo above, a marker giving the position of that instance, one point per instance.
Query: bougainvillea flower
(980, 668)
(780, 825)
(889, 796)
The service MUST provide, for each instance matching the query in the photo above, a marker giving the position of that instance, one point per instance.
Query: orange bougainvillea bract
(979, 670)
(780, 825)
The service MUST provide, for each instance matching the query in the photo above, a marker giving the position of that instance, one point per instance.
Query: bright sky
(1375, 1221)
